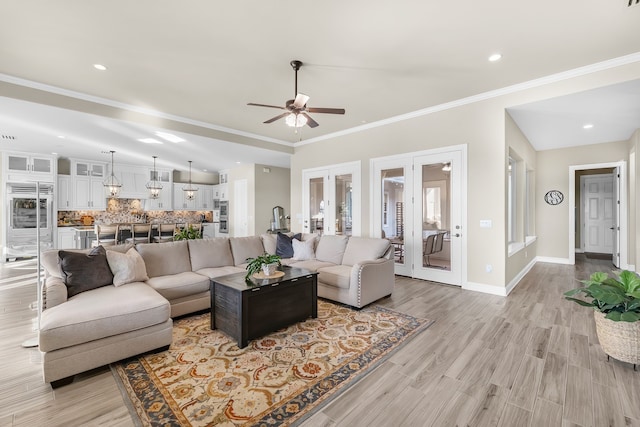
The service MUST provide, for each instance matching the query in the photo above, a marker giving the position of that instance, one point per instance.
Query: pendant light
(112, 184)
(154, 186)
(189, 189)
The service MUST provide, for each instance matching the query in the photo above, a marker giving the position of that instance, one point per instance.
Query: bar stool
(106, 235)
(165, 233)
(140, 233)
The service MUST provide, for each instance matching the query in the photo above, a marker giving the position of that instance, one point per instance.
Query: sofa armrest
(54, 292)
(373, 280)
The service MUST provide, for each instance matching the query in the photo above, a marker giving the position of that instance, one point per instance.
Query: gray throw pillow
(83, 272)
(284, 247)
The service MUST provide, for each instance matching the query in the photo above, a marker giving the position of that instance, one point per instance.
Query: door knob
(457, 235)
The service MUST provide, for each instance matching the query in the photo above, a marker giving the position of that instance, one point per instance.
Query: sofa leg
(61, 382)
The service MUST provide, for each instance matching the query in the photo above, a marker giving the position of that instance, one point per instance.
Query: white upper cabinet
(19, 167)
(65, 199)
(87, 185)
(165, 201)
(180, 201)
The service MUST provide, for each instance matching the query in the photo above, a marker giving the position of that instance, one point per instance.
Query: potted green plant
(616, 304)
(268, 263)
(186, 233)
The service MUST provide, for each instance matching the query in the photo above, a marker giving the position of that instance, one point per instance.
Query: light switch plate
(485, 223)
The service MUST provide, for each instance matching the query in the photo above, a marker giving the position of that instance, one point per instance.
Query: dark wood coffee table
(248, 310)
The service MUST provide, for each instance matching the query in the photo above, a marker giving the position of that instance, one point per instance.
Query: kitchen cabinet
(165, 201)
(87, 184)
(65, 199)
(20, 167)
(88, 193)
(67, 238)
(180, 202)
(220, 191)
(204, 198)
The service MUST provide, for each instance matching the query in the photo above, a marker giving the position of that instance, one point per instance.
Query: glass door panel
(343, 206)
(316, 205)
(436, 184)
(393, 212)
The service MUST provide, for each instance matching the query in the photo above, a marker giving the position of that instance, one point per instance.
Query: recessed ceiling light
(54, 153)
(237, 163)
(204, 170)
(587, 126)
(150, 141)
(61, 136)
(169, 137)
(99, 67)
(495, 57)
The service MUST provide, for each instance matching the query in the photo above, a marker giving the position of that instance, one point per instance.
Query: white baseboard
(485, 289)
(514, 282)
(553, 260)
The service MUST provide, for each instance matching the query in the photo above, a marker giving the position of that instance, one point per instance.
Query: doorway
(418, 204)
(617, 211)
(597, 215)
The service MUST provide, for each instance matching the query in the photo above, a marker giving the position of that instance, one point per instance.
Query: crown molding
(542, 81)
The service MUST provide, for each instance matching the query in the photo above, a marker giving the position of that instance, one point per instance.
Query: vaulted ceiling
(193, 67)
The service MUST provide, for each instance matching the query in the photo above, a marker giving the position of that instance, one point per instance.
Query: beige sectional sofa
(110, 323)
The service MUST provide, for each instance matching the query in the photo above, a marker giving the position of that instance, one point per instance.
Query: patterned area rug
(204, 379)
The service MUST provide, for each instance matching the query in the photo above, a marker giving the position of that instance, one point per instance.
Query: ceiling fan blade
(301, 100)
(326, 110)
(310, 122)
(265, 105)
(279, 116)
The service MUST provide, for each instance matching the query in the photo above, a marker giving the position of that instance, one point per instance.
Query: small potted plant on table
(616, 302)
(268, 263)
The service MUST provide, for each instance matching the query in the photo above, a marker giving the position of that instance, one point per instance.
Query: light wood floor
(531, 359)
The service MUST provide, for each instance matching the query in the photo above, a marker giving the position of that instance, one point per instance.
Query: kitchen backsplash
(130, 210)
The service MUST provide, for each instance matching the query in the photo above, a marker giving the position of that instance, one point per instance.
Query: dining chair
(165, 233)
(427, 249)
(140, 233)
(106, 235)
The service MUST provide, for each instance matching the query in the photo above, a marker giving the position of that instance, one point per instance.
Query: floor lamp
(33, 342)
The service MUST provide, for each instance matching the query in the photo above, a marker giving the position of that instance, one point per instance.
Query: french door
(418, 204)
(331, 199)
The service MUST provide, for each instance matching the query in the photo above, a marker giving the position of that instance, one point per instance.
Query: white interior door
(438, 233)
(600, 211)
(315, 195)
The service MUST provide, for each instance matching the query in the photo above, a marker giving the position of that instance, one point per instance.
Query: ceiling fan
(296, 109)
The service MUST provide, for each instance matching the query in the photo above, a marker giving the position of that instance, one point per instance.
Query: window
(529, 218)
(512, 200)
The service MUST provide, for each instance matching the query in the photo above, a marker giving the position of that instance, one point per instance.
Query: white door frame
(622, 165)
(375, 191)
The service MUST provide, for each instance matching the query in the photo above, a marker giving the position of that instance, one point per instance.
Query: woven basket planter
(620, 340)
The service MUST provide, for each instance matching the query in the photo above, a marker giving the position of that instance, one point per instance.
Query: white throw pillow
(127, 268)
(303, 250)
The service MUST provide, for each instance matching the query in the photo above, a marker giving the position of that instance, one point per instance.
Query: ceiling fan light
(296, 120)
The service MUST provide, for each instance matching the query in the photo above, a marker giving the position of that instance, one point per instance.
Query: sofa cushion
(284, 246)
(303, 250)
(209, 253)
(51, 262)
(336, 275)
(127, 268)
(312, 264)
(269, 242)
(220, 271)
(179, 285)
(245, 247)
(331, 248)
(101, 313)
(364, 248)
(83, 272)
(163, 259)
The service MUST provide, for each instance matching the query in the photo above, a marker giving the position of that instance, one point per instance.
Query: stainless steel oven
(21, 224)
